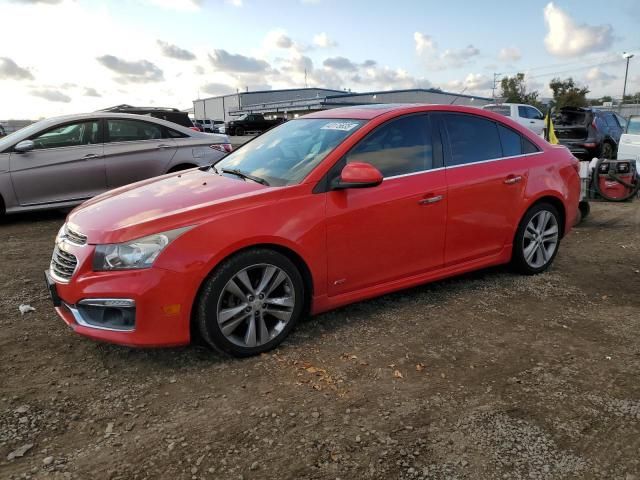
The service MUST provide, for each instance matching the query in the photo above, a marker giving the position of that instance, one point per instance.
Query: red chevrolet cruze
(334, 207)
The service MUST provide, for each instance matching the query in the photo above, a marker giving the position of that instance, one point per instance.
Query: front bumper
(139, 308)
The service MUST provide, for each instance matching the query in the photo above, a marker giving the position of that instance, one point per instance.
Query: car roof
(368, 112)
(92, 115)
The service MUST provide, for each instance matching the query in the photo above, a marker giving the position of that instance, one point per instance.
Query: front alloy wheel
(250, 303)
(537, 239)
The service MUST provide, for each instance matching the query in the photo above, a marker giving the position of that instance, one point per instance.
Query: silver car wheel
(256, 305)
(540, 239)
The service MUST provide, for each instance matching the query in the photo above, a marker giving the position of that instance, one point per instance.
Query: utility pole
(628, 56)
(495, 81)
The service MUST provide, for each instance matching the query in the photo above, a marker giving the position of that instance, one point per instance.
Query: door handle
(532, 121)
(89, 156)
(430, 200)
(511, 179)
(164, 145)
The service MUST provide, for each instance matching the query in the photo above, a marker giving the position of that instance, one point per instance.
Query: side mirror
(357, 175)
(24, 146)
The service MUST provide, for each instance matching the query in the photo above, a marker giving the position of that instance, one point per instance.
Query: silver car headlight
(135, 254)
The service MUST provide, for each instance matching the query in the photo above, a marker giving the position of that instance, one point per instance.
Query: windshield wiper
(235, 171)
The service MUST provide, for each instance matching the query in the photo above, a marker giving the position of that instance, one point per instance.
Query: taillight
(593, 124)
(222, 147)
(195, 128)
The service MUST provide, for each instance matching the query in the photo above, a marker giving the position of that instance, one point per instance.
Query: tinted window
(633, 127)
(501, 109)
(472, 139)
(70, 135)
(397, 147)
(171, 133)
(132, 130)
(528, 147)
(621, 120)
(511, 142)
(523, 112)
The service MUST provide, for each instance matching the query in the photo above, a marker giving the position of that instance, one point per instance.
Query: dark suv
(169, 114)
(588, 132)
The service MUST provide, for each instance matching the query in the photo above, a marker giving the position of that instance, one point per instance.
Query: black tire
(608, 150)
(240, 131)
(585, 209)
(518, 261)
(206, 315)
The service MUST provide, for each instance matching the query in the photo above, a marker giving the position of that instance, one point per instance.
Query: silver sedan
(60, 162)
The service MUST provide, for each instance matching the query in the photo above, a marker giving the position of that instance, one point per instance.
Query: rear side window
(398, 147)
(511, 142)
(471, 139)
(132, 130)
(528, 147)
(171, 133)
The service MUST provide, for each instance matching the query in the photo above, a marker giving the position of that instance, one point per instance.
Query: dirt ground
(491, 375)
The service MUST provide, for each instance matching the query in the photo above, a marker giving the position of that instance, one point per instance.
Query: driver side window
(398, 147)
(70, 135)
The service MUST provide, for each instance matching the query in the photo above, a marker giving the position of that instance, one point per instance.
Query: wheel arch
(557, 203)
(291, 254)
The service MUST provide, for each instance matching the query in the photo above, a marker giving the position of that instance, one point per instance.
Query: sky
(70, 56)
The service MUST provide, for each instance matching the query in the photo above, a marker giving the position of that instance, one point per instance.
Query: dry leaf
(397, 374)
(420, 367)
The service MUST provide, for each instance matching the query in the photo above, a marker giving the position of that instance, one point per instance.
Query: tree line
(565, 93)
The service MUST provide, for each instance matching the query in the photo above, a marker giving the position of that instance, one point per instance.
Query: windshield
(633, 126)
(286, 154)
(242, 117)
(12, 138)
(501, 109)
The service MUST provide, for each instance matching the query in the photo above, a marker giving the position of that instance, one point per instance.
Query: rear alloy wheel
(537, 239)
(251, 303)
(240, 131)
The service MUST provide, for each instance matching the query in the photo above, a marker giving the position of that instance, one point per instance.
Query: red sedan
(332, 208)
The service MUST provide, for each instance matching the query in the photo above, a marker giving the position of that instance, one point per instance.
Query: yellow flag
(552, 133)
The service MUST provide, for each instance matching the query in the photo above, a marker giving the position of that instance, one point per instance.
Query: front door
(66, 164)
(381, 234)
(487, 169)
(135, 150)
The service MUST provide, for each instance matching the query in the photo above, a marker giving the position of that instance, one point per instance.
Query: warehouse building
(294, 102)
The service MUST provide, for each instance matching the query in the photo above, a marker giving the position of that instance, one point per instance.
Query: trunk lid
(572, 124)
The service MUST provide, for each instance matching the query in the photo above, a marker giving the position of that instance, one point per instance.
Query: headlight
(140, 253)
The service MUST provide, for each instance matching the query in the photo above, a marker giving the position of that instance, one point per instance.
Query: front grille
(75, 237)
(63, 264)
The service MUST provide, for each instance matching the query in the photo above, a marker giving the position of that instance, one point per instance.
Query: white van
(525, 115)
(629, 146)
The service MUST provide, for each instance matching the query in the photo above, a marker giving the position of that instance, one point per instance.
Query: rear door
(66, 165)
(486, 176)
(385, 233)
(615, 129)
(135, 150)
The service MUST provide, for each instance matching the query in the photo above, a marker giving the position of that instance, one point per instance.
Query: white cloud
(180, 5)
(566, 38)
(509, 54)
(322, 40)
(10, 70)
(51, 95)
(229, 62)
(427, 49)
(597, 76)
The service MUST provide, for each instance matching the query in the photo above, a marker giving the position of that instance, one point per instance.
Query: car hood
(161, 204)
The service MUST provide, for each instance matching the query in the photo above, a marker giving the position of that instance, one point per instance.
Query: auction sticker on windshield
(343, 126)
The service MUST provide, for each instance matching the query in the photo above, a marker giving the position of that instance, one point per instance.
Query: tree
(567, 94)
(514, 90)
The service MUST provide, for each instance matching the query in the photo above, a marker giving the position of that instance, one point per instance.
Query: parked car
(169, 114)
(629, 148)
(62, 161)
(589, 132)
(250, 122)
(211, 126)
(329, 209)
(525, 115)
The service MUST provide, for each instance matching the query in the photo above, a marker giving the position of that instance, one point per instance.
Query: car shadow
(32, 217)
